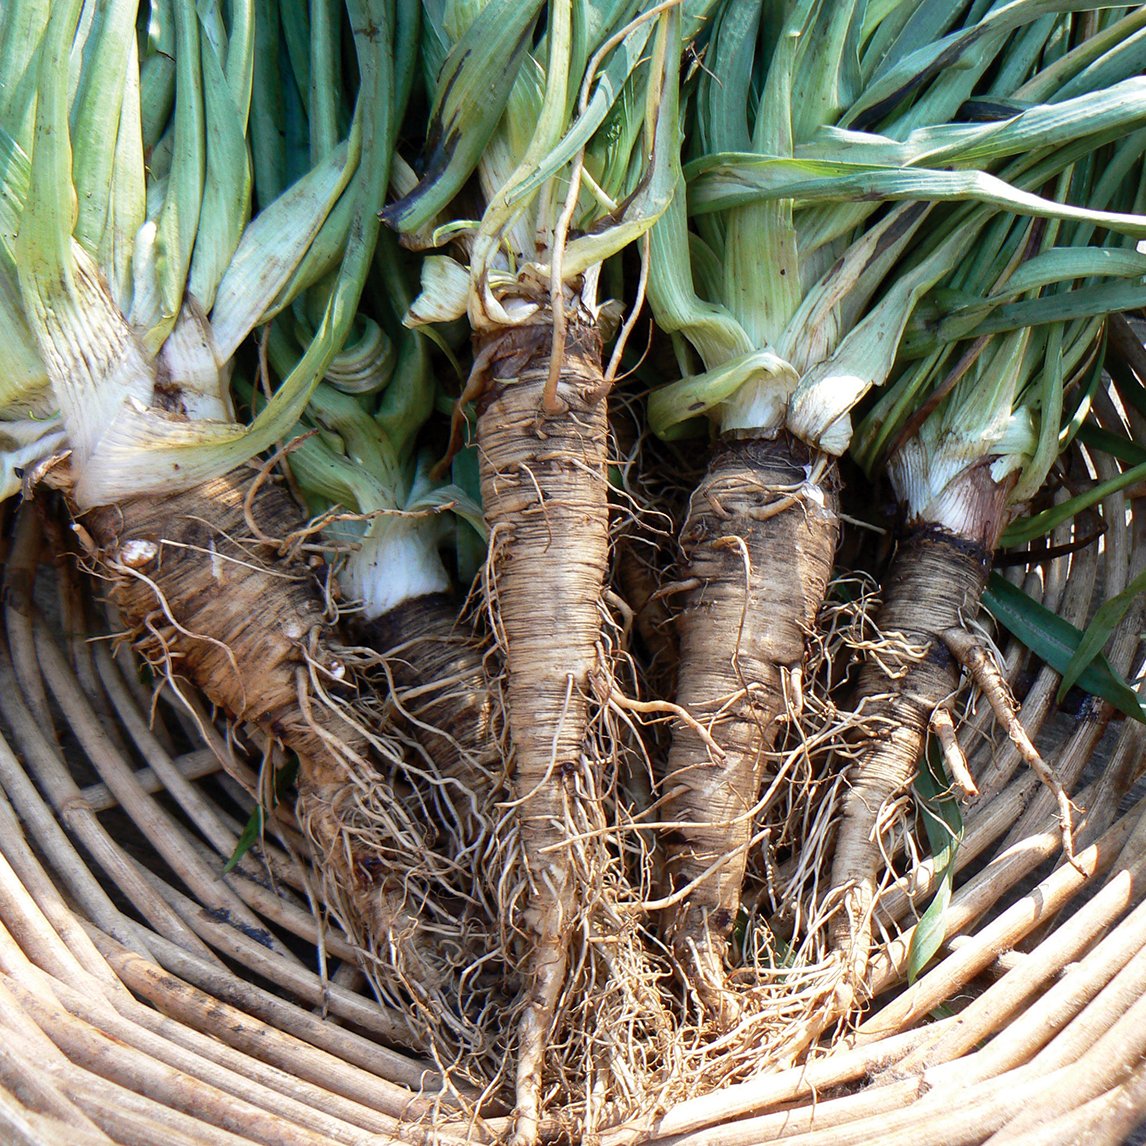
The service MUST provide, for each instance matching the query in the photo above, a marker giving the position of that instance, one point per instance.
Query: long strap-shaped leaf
(1056, 641)
(94, 361)
(147, 447)
(472, 92)
(724, 185)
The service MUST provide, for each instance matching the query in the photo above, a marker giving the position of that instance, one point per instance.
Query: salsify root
(906, 688)
(935, 581)
(757, 555)
(429, 664)
(545, 495)
(197, 579)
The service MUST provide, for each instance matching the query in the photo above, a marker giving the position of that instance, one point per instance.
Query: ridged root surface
(211, 602)
(757, 555)
(544, 491)
(935, 583)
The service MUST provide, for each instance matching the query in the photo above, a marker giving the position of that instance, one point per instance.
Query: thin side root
(944, 729)
(674, 587)
(657, 707)
(971, 653)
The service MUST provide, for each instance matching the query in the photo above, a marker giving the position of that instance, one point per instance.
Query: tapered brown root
(545, 494)
(935, 584)
(197, 580)
(429, 665)
(757, 554)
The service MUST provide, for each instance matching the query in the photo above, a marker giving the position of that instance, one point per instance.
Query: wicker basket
(147, 997)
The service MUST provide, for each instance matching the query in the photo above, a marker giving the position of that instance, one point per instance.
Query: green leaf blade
(1098, 632)
(1055, 641)
(473, 89)
(943, 822)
